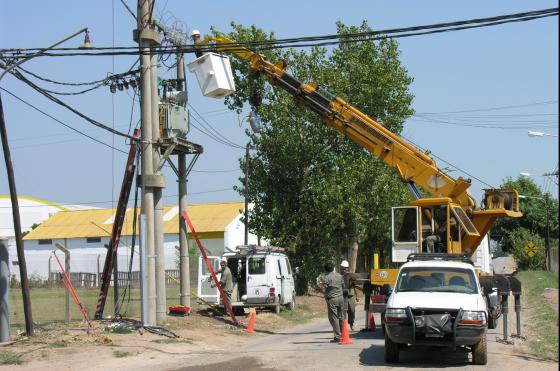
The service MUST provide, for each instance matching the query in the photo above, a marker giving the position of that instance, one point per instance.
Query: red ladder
(117, 229)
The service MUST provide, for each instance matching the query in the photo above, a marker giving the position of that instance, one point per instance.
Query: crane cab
(431, 225)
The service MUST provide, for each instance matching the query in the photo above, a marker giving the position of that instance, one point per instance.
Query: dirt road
(307, 348)
(208, 343)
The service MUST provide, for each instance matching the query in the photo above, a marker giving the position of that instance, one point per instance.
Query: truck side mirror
(386, 289)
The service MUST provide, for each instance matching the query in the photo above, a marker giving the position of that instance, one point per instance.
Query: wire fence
(48, 300)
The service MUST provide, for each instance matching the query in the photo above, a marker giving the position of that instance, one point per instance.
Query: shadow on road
(419, 357)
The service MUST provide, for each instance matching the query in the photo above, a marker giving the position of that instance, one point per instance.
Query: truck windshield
(436, 279)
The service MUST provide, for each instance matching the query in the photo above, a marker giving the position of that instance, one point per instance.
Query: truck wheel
(479, 352)
(391, 350)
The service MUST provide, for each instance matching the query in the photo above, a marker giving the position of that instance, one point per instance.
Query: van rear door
(204, 289)
(257, 283)
(288, 281)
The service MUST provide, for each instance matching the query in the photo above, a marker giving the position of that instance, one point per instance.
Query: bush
(520, 237)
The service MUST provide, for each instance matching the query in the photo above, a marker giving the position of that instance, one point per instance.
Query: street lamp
(12, 183)
(547, 236)
(256, 125)
(534, 134)
(552, 175)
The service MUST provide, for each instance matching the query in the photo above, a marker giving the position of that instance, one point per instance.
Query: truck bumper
(404, 334)
(452, 336)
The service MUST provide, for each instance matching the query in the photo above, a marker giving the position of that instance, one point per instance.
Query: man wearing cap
(332, 283)
(350, 293)
(226, 280)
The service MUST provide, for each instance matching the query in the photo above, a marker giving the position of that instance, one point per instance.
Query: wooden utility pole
(17, 225)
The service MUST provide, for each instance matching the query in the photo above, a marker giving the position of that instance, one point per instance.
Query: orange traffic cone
(371, 322)
(251, 327)
(345, 334)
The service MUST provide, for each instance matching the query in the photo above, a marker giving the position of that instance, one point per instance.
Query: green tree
(316, 192)
(520, 238)
(533, 208)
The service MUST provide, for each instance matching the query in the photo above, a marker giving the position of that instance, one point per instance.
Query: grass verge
(301, 314)
(541, 319)
(119, 354)
(10, 358)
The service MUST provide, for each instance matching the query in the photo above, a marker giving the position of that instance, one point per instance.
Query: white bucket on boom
(213, 72)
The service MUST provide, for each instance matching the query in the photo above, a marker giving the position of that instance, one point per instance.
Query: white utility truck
(437, 301)
(262, 278)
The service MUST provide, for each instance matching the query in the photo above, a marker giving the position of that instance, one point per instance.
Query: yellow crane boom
(412, 165)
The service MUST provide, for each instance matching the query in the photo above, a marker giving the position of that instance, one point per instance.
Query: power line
(310, 40)
(212, 128)
(60, 122)
(58, 101)
(448, 163)
(108, 202)
(492, 108)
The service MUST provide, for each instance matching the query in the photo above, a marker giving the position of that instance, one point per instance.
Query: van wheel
(277, 308)
(391, 350)
(479, 352)
(292, 304)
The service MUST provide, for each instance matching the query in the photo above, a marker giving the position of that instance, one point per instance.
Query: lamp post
(547, 235)
(551, 175)
(12, 184)
(256, 125)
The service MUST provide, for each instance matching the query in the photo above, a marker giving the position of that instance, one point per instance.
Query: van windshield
(256, 265)
(437, 279)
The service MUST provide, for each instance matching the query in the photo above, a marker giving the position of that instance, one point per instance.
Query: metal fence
(92, 280)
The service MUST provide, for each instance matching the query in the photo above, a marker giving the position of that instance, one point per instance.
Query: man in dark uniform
(350, 292)
(332, 283)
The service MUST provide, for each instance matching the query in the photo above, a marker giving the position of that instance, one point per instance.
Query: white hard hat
(195, 32)
(224, 259)
(344, 264)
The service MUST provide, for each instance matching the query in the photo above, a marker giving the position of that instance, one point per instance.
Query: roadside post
(66, 252)
(503, 292)
(515, 286)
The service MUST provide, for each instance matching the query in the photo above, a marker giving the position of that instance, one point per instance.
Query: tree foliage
(520, 237)
(534, 209)
(315, 192)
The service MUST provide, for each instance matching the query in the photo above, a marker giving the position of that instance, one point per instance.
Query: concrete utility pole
(184, 268)
(146, 37)
(161, 310)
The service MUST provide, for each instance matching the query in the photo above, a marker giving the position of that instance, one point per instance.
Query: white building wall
(90, 257)
(234, 235)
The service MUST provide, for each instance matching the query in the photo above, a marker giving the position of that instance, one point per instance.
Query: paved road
(307, 347)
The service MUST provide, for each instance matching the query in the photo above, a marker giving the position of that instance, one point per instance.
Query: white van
(262, 278)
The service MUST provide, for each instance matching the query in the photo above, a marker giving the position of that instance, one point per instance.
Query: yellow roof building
(209, 220)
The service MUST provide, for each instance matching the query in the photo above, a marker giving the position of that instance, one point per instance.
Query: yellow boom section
(411, 164)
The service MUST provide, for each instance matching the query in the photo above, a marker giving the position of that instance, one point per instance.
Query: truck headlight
(471, 317)
(395, 315)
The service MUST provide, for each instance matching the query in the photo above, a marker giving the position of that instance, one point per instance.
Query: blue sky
(509, 65)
